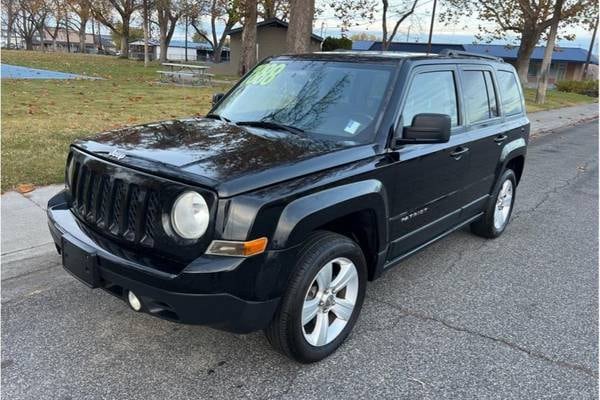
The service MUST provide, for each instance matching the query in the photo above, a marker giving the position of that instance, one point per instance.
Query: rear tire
(323, 299)
(499, 208)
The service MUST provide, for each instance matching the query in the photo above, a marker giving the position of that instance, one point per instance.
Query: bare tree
(302, 13)
(527, 18)
(35, 14)
(83, 10)
(168, 13)
(389, 38)
(25, 24)
(9, 16)
(103, 11)
(351, 12)
(248, 58)
(273, 9)
(542, 84)
(225, 12)
(57, 11)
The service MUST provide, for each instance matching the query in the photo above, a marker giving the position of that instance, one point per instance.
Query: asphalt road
(515, 317)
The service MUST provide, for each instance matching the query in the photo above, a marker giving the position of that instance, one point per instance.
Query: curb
(543, 132)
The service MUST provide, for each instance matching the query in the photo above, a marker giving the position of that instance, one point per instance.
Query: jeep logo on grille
(119, 155)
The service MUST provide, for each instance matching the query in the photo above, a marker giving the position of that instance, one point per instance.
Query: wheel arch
(513, 157)
(357, 210)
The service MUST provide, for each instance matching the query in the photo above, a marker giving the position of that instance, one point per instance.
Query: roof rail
(458, 53)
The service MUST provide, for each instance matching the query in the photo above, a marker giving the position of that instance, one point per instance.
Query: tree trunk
(145, 22)
(82, 35)
(542, 84)
(248, 58)
(302, 13)
(589, 55)
(384, 37)
(41, 33)
(28, 43)
(125, 39)
(529, 39)
(68, 35)
(163, 45)
(99, 37)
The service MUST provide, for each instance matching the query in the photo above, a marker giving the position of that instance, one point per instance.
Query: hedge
(588, 88)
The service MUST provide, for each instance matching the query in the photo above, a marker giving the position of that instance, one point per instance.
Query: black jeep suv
(311, 176)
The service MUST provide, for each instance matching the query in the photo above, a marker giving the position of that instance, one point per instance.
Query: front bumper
(230, 293)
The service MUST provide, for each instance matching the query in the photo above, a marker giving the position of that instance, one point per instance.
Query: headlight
(190, 215)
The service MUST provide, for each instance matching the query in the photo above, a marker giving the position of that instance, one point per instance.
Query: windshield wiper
(217, 116)
(272, 125)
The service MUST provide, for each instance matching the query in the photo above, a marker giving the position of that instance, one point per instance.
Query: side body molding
(305, 214)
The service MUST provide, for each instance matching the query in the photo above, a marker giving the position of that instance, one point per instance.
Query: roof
(568, 54)
(362, 45)
(271, 22)
(178, 43)
(416, 47)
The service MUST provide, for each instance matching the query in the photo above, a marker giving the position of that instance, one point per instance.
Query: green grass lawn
(41, 117)
(555, 99)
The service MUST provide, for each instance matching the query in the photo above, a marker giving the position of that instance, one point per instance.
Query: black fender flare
(305, 214)
(511, 150)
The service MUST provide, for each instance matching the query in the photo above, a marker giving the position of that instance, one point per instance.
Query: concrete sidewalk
(543, 122)
(25, 234)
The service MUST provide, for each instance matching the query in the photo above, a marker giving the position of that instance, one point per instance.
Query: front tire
(323, 299)
(499, 208)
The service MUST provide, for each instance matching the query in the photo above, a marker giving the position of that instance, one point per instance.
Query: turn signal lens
(238, 249)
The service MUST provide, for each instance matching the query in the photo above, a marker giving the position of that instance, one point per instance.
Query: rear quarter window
(509, 93)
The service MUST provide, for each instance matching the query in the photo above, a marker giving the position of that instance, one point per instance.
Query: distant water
(16, 72)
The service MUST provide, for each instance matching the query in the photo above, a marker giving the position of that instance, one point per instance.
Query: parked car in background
(312, 176)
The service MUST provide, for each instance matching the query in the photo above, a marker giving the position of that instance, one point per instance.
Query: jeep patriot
(312, 176)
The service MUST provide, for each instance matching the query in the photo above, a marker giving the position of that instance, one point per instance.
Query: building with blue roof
(567, 62)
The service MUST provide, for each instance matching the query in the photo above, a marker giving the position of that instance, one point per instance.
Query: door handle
(458, 153)
(500, 138)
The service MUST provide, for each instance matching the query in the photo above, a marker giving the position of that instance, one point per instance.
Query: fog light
(134, 302)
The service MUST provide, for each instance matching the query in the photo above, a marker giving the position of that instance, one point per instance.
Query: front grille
(125, 207)
(124, 210)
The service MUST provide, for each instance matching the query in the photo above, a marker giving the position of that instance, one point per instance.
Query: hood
(215, 153)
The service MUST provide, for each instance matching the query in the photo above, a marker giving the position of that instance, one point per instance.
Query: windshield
(340, 100)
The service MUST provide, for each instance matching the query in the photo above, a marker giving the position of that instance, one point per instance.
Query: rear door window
(475, 96)
(431, 92)
(479, 96)
(509, 92)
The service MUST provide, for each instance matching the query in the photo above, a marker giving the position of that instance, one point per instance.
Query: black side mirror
(217, 98)
(426, 128)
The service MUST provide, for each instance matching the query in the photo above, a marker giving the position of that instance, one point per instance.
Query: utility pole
(431, 27)
(589, 55)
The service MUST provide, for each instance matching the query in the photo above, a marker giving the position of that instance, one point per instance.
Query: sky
(415, 28)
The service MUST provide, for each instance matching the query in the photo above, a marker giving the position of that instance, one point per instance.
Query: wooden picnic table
(181, 73)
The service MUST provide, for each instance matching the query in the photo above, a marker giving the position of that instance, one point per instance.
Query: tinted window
(509, 92)
(475, 96)
(491, 91)
(431, 92)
